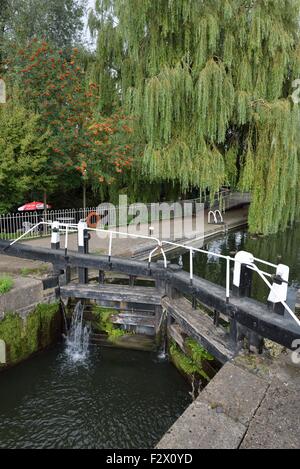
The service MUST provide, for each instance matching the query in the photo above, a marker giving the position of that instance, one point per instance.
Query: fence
(272, 281)
(13, 225)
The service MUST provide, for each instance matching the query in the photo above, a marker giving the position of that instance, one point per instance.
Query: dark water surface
(280, 248)
(116, 399)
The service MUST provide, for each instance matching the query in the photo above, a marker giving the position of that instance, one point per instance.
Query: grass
(6, 284)
(26, 272)
(99, 252)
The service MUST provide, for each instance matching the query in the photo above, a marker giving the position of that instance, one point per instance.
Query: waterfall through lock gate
(78, 336)
(162, 334)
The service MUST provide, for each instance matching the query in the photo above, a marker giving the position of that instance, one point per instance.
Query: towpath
(125, 247)
(250, 404)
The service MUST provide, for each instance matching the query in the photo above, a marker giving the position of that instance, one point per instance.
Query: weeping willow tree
(210, 83)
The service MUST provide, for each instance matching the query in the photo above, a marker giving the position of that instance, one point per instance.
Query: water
(78, 336)
(113, 399)
(162, 335)
(280, 248)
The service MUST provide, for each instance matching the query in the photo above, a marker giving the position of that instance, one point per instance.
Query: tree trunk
(84, 195)
(45, 205)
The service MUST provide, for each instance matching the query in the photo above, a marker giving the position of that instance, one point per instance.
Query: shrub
(6, 284)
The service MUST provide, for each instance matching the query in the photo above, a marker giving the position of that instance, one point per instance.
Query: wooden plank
(247, 312)
(133, 342)
(200, 326)
(114, 293)
(177, 334)
(144, 320)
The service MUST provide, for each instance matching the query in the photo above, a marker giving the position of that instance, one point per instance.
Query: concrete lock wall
(30, 321)
(2, 352)
(25, 293)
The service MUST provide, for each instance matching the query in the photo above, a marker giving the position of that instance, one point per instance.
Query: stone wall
(30, 321)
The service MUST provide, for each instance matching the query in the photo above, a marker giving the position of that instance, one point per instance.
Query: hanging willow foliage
(210, 84)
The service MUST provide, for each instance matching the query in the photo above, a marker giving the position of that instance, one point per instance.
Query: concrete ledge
(219, 418)
(240, 409)
(235, 392)
(26, 292)
(201, 427)
(277, 421)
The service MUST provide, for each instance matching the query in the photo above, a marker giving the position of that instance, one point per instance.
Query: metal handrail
(191, 250)
(286, 306)
(28, 231)
(160, 247)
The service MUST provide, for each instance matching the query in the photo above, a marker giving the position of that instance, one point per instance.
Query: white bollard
(279, 290)
(83, 249)
(242, 277)
(2, 352)
(82, 227)
(55, 235)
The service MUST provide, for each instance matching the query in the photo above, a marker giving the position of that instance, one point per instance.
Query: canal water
(113, 399)
(280, 248)
(118, 398)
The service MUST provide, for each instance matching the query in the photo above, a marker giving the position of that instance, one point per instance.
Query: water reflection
(115, 399)
(280, 248)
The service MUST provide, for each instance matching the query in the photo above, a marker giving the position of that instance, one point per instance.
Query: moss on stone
(12, 332)
(103, 323)
(23, 337)
(49, 316)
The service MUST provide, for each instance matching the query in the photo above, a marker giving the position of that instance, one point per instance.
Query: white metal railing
(12, 225)
(66, 228)
(192, 250)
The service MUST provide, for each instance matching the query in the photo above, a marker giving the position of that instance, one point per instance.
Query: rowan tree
(81, 143)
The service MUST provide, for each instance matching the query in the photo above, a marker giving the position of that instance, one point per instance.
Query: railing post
(55, 236)
(279, 290)
(110, 248)
(227, 279)
(101, 277)
(242, 277)
(83, 248)
(191, 267)
(55, 244)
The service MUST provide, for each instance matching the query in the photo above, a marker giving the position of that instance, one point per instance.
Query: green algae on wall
(23, 337)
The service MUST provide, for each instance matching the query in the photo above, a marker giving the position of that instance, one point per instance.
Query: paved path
(124, 247)
(249, 404)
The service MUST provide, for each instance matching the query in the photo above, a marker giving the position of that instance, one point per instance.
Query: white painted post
(242, 277)
(191, 267)
(279, 290)
(227, 279)
(2, 91)
(55, 235)
(110, 246)
(2, 352)
(82, 226)
(66, 240)
(82, 249)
